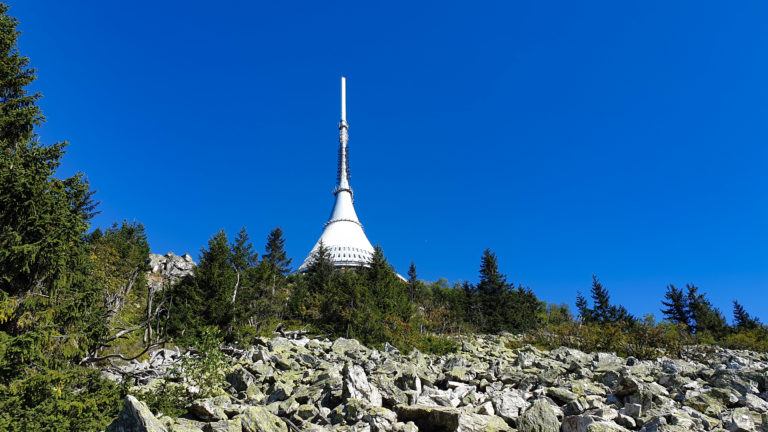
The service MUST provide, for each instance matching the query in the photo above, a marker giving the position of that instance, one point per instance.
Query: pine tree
(676, 307)
(742, 320)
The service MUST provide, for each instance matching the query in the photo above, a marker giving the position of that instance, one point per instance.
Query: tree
(490, 290)
(602, 311)
(243, 258)
(50, 305)
(677, 310)
(308, 292)
(412, 282)
(41, 217)
(706, 319)
(275, 260)
(742, 320)
(583, 306)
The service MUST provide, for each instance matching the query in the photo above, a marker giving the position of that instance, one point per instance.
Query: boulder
(738, 420)
(539, 417)
(135, 417)
(259, 419)
(356, 386)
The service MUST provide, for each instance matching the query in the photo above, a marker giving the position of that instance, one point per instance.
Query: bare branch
(91, 359)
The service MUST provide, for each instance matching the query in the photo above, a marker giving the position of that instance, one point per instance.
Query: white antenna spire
(343, 173)
(343, 99)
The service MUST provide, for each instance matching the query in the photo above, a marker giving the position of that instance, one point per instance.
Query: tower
(343, 234)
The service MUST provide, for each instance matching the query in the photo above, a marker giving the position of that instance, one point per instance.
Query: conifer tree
(412, 281)
(491, 290)
(50, 305)
(676, 307)
(275, 261)
(244, 258)
(583, 306)
(705, 317)
(742, 320)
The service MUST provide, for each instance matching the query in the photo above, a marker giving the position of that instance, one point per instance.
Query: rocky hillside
(311, 384)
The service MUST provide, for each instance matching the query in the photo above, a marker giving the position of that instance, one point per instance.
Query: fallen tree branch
(91, 359)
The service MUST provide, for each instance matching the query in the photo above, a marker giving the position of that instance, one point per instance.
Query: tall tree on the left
(43, 219)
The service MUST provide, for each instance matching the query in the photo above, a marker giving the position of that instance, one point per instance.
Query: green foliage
(755, 339)
(677, 308)
(206, 368)
(742, 320)
(641, 339)
(437, 345)
(603, 311)
(76, 399)
(705, 318)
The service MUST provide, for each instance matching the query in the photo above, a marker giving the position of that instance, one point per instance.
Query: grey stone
(539, 417)
(259, 419)
(356, 386)
(135, 417)
(739, 420)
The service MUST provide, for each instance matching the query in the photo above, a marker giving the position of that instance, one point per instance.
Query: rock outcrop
(313, 384)
(167, 269)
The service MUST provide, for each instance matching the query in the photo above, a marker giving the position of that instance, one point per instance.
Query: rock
(627, 385)
(234, 425)
(754, 403)
(633, 410)
(210, 409)
(739, 420)
(240, 378)
(356, 386)
(561, 395)
(428, 418)
(135, 417)
(539, 417)
(576, 423)
(259, 419)
(508, 404)
(604, 426)
(481, 423)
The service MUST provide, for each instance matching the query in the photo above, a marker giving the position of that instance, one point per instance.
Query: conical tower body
(343, 234)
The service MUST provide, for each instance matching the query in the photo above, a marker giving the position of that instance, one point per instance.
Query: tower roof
(343, 234)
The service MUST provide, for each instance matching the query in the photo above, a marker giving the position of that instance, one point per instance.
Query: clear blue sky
(624, 139)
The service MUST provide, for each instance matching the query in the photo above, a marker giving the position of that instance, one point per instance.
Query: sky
(621, 139)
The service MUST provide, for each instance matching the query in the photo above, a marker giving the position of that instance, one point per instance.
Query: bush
(753, 340)
(643, 340)
(206, 368)
(431, 344)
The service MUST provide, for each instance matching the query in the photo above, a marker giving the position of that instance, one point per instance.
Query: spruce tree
(742, 320)
(706, 319)
(491, 290)
(275, 261)
(583, 307)
(601, 301)
(412, 281)
(42, 218)
(50, 299)
(676, 307)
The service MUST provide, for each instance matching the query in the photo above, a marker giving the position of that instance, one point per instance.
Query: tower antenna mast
(343, 173)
